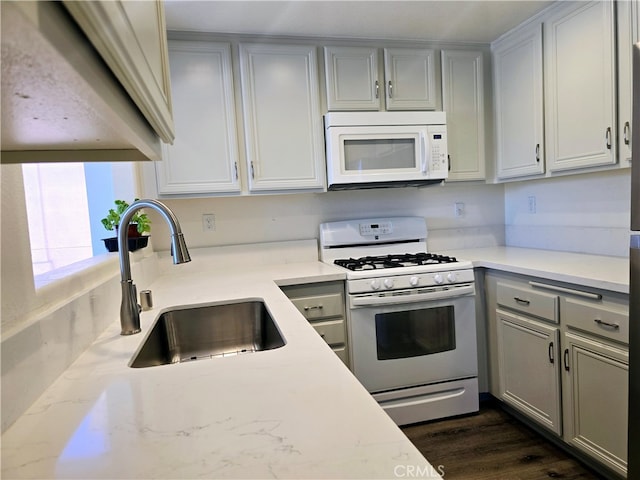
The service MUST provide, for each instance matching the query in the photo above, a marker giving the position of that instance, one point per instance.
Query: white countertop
(292, 412)
(597, 271)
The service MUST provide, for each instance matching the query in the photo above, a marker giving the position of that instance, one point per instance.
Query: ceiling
(477, 21)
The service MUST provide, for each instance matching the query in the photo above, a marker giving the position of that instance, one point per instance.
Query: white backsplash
(273, 218)
(581, 213)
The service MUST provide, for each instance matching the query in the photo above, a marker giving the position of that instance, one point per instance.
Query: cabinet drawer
(342, 354)
(320, 306)
(539, 304)
(332, 331)
(601, 320)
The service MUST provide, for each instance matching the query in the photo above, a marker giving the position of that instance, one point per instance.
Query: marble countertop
(597, 271)
(292, 412)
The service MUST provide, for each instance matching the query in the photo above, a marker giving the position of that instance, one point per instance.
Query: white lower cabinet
(529, 371)
(596, 399)
(323, 305)
(558, 354)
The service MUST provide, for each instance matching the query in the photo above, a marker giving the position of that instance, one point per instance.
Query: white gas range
(411, 317)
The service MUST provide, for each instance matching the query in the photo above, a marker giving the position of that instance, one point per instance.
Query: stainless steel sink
(196, 333)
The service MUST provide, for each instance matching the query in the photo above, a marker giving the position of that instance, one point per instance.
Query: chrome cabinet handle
(566, 359)
(314, 307)
(235, 168)
(253, 175)
(449, 162)
(615, 326)
(522, 300)
(627, 133)
(537, 152)
(390, 89)
(551, 357)
(608, 138)
(555, 288)
(377, 86)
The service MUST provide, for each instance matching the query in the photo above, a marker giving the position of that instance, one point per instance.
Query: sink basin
(196, 333)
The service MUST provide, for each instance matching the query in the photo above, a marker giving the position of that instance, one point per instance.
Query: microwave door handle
(423, 149)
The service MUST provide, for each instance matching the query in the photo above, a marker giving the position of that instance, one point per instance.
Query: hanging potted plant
(138, 225)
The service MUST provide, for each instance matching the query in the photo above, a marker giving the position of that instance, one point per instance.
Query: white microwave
(385, 149)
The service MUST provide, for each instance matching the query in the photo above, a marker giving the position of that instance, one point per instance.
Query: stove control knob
(413, 281)
(438, 278)
(375, 284)
(388, 282)
(452, 277)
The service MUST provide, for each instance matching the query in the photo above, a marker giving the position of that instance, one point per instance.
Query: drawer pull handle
(566, 359)
(314, 307)
(615, 326)
(522, 301)
(554, 288)
(551, 356)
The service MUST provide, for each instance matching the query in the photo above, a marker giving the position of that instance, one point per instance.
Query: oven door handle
(461, 291)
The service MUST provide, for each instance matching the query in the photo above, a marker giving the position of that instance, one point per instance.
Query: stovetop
(380, 262)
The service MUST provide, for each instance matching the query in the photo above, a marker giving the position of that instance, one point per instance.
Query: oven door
(413, 338)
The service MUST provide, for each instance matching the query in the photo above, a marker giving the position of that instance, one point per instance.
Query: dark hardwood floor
(493, 446)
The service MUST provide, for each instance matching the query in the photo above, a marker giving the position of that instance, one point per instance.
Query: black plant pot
(135, 243)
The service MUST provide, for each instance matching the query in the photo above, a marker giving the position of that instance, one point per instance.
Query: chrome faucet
(129, 310)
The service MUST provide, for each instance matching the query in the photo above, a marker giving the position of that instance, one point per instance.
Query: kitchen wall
(579, 213)
(273, 218)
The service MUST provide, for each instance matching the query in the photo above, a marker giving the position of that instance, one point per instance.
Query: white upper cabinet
(353, 82)
(463, 101)
(204, 156)
(628, 34)
(518, 87)
(284, 136)
(410, 78)
(352, 78)
(131, 37)
(580, 99)
(62, 101)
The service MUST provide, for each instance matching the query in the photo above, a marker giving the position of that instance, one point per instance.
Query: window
(65, 202)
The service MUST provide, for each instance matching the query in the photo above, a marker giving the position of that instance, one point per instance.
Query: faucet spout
(129, 312)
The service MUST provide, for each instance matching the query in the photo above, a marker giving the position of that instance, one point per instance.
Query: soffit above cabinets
(478, 21)
(59, 100)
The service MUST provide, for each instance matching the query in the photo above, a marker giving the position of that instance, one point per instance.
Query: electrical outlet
(532, 204)
(459, 209)
(208, 222)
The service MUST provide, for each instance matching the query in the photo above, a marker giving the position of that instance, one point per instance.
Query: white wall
(274, 218)
(579, 213)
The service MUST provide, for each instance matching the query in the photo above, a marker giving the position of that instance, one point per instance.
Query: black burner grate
(393, 261)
